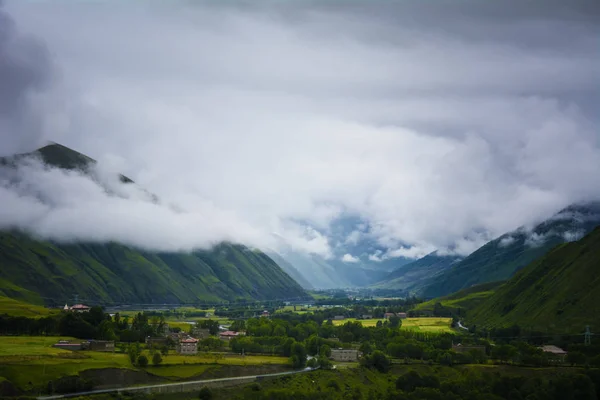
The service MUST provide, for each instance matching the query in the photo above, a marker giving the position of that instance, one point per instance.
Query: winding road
(182, 385)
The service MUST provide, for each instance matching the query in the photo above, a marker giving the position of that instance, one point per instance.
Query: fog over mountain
(430, 125)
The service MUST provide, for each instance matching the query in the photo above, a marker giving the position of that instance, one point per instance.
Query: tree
(156, 358)
(576, 358)
(324, 363)
(504, 352)
(142, 361)
(205, 393)
(395, 322)
(133, 352)
(298, 356)
(312, 363)
(366, 348)
(325, 351)
(238, 325)
(378, 360)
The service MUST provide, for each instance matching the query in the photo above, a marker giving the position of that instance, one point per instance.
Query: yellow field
(422, 324)
(428, 324)
(364, 322)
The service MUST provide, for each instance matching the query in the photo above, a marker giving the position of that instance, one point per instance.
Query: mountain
(43, 271)
(290, 270)
(499, 259)
(356, 260)
(414, 276)
(560, 291)
(315, 270)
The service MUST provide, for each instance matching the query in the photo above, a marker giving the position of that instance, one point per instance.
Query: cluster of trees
(94, 324)
(401, 304)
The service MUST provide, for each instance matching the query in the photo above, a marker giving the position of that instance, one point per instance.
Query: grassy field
(21, 309)
(428, 324)
(25, 359)
(422, 324)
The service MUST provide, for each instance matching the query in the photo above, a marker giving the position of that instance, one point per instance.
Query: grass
(428, 324)
(422, 324)
(31, 362)
(18, 308)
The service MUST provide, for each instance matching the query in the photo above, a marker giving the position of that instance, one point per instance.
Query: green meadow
(31, 362)
(421, 324)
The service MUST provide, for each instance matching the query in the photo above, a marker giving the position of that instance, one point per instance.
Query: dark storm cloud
(25, 69)
(441, 124)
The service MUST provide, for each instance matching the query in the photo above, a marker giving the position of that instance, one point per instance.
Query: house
(67, 345)
(188, 346)
(200, 333)
(344, 355)
(367, 316)
(228, 335)
(101, 345)
(401, 315)
(80, 308)
(265, 314)
(388, 315)
(555, 353)
(339, 318)
(77, 308)
(460, 348)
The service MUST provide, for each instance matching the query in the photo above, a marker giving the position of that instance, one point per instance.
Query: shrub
(142, 361)
(156, 358)
(205, 393)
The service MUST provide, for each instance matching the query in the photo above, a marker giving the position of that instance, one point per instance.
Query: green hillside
(414, 276)
(499, 259)
(45, 272)
(113, 273)
(462, 301)
(560, 291)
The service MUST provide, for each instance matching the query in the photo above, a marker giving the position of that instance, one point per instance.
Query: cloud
(25, 71)
(349, 258)
(441, 127)
(506, 241)
(376, 256)
(536, 239)
(572, 236)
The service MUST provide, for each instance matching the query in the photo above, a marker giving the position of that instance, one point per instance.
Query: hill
(499, 259)
(46, 272)
(414, 276)
(560, 291)
(462, 301)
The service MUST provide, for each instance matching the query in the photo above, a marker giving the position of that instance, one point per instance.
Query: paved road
(180, 384)
(461, 326)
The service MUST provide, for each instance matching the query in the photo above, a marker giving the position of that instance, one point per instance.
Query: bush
(333, 384)
(156, 358)
(312, 363)
(205, 393)
(142, 361)
(378, 360)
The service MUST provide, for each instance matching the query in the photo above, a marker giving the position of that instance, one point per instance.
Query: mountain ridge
(112, 272)
(561, 290)
(502, 257)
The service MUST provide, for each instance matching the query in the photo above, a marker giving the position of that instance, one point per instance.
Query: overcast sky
(440, 124)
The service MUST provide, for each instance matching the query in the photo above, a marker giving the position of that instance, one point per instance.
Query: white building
(347, 355)
(188, 346)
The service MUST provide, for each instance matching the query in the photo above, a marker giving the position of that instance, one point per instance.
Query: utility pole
(588, 336)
